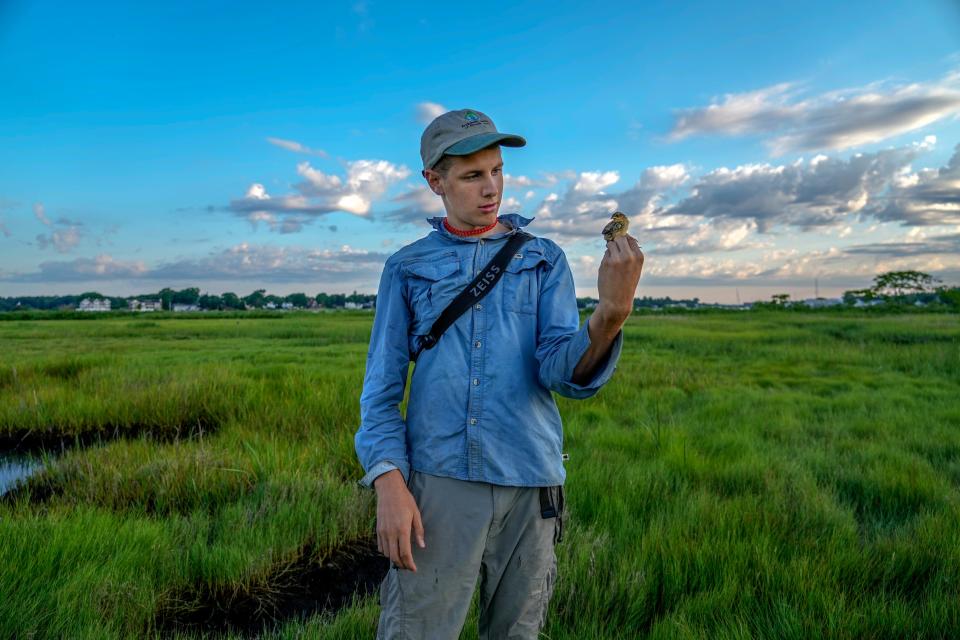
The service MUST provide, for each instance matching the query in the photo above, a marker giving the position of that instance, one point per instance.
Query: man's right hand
(397, 516)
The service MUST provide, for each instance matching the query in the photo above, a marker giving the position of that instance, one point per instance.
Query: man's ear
(433, 179)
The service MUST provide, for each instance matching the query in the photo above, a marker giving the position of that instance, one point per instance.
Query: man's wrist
(608, 320)
(388, 480)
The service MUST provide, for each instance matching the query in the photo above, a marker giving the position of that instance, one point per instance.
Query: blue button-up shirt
(480, 406)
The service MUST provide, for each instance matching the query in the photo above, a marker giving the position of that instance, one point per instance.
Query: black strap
(477, 289)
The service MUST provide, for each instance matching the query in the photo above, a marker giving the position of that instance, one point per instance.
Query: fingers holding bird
(624, 249)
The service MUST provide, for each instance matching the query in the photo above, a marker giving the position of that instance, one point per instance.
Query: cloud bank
(834, 120)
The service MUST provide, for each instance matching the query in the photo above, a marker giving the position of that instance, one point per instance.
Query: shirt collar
(512, 220)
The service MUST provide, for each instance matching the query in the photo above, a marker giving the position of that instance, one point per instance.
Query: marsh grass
(742, 475)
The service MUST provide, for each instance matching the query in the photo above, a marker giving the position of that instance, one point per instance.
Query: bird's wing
(612, 227)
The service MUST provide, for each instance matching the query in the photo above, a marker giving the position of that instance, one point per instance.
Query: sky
(758, 147)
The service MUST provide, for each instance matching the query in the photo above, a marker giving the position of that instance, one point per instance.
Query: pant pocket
(552, 505)
(546, 591)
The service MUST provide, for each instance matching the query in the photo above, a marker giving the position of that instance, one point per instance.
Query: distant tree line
(259, 299)
(646, 302)
(893, 288)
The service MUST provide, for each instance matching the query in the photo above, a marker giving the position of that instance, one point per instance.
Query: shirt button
(478, 306)
(476, 381)
(473, 421)
(477, 344)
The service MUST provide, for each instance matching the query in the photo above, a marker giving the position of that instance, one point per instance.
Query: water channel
(15, 468)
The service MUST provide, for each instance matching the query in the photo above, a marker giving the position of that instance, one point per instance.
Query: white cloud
(319, 193)
(64, 234)
(38, 211)
(823, 192)
(664, 177)
(63, 240)
(927, 197)
(244, 262)
(420, 202)
(510, 205)
(592, 182)
(296, 147)
(320, 183)
(427, 111)
(829, 121)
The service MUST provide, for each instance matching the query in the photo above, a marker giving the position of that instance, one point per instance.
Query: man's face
(471, 189)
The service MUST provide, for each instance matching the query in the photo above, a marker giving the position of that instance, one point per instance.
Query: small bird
(616, 227)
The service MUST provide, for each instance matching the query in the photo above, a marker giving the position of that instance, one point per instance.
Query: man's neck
(500, 228)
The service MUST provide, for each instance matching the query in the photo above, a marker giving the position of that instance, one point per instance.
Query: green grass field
(744, 475)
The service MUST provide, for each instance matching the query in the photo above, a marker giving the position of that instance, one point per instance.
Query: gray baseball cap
(460, 133)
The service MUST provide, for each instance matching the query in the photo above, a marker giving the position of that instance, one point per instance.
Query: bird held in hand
(616, 227)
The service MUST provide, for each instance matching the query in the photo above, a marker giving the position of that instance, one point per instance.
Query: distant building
(94, 304)
(145, 305)
(270, 305)
(823, 302)
(351, 305)
(287, 305)
(177, 306)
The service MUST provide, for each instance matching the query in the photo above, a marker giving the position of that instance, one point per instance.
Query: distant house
(177, 306)
(270, 305)
(145, 305)
(823, 302)
(94, 304)
(351, 305)
(286, 305)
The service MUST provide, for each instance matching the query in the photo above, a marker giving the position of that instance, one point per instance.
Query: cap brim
(482, 141)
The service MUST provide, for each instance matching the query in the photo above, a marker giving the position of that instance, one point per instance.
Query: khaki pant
(474, 529)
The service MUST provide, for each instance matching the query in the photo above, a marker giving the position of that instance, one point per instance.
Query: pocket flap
(526, 258)
(431, 270)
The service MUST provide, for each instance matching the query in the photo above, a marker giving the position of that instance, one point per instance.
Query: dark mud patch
(294, 591)
(35, 441)
(37, 444)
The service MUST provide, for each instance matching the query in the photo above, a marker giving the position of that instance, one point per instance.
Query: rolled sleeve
(578, 346)
(563, 341)
(380, 441)
(381, 468)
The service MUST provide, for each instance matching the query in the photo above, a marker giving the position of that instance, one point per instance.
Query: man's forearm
(602, 327)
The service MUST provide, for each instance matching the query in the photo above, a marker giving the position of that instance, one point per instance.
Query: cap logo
(473, 119)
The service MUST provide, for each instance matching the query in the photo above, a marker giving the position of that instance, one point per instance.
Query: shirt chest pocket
(521, 281)
(431, 285)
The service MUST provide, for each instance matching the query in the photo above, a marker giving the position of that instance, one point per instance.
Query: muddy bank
(35, 441)
(29, 446)
(293, 591)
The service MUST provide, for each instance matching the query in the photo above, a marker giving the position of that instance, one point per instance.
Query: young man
(471, 482)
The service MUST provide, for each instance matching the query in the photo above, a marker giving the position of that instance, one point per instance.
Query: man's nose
(489, 186)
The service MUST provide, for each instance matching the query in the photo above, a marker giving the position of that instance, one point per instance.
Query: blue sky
(757, 147)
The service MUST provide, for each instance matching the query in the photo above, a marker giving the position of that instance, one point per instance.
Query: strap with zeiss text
(477, 289)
